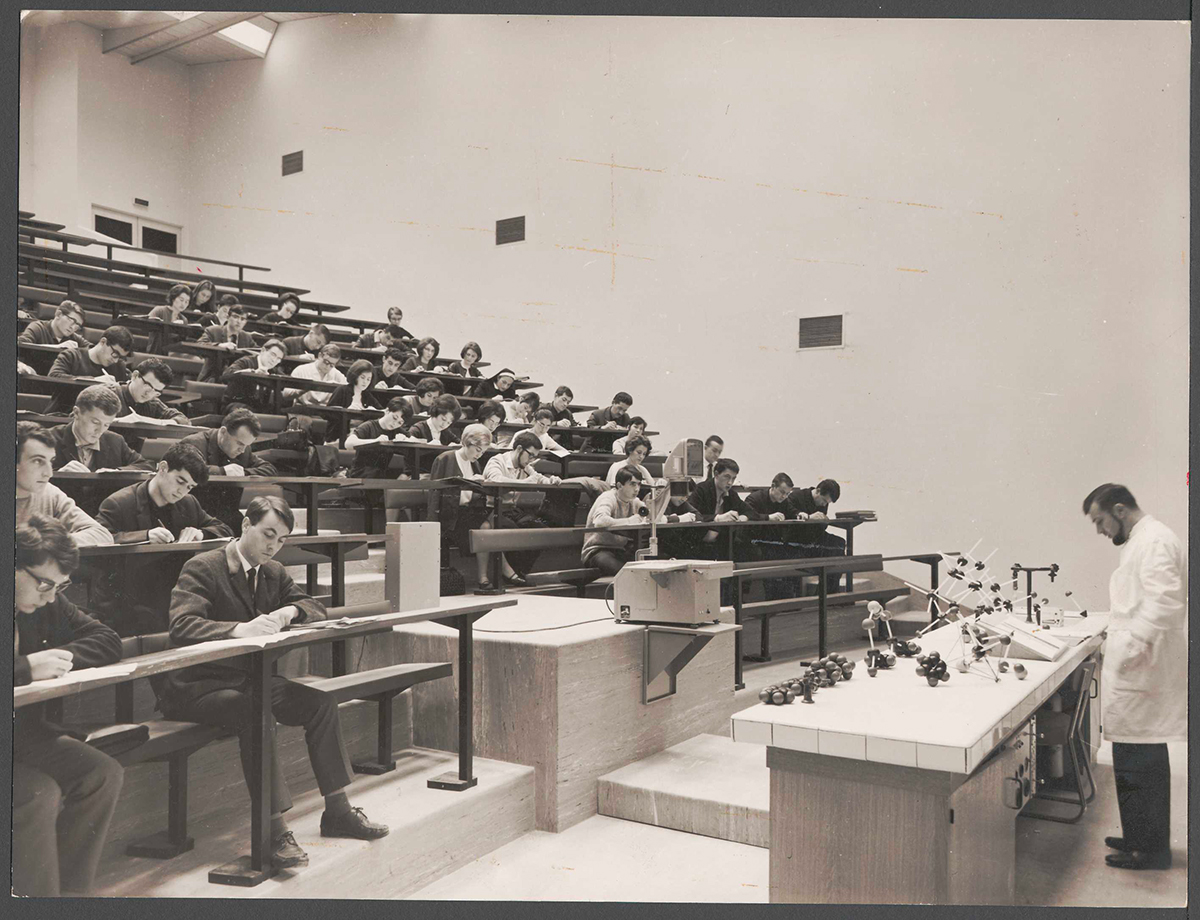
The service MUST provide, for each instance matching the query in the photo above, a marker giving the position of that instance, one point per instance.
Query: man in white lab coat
(1145, 672)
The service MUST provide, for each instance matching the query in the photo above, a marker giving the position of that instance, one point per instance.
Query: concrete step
(433, 832)
(706, 785)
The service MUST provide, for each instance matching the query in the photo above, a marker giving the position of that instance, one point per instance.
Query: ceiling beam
(195, 36)
(115, 39)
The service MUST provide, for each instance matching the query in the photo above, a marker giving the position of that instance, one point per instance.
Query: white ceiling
(142, 34)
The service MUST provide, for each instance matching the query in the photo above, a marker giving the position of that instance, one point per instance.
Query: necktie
(250, 584)
(709, 476)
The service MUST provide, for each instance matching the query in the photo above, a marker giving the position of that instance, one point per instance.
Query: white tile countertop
(897, 718)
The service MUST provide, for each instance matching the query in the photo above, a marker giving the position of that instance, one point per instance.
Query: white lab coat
(1148, 597)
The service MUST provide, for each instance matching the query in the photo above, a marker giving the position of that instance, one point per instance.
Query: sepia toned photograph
(588, 457)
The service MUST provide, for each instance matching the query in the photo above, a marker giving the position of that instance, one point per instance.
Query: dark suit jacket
(209, 600)
(254, 394)
(294, 345)
(112, 453)
(60, 624)
(421, 430)
(216, 335)
(130, 513)
(75, 362)
(160, 341)
(206, 443)
(704, 500)
(602, 417)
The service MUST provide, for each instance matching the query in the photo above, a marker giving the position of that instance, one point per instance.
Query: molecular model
(876, 657)
(933, 668)
(786, 692)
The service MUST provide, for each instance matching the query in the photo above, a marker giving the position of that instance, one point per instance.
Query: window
(118, 229)
(135, 230)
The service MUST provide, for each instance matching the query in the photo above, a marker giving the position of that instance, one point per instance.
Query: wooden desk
(281, 382)
(887, 790)
(297, 550)
(36, 383)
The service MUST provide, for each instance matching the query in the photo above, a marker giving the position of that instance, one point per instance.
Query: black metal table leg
(464, 778)
(248, 871)
(822, 597)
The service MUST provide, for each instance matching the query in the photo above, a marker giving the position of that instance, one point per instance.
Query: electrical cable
(545, 628)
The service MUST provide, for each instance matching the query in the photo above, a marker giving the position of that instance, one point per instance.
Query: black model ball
(933, 669)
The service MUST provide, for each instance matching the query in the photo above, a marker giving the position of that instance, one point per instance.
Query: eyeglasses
(121, 354)
(46, 585)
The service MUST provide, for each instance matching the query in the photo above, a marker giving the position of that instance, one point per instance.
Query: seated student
(395, 317)
(636, 450)
(463, 511)
(516, 465)
(772, 505)
(559, 406)
(379, 339)
(64, 791)
(498, 386)
(157, 510)
(218, 315)
(159, 341)
(140, 397)
(308, 345)
(393, 425)
(203, 297)
(521, 410)
(615, 416)
(812, 504)
(105, 361)
(355, 393)
(465, 366)
(428, 389)
(36, 494)
(389, 370)
(423, 360)
(713, 446)
(289, 306)
(63, 330)
(246, 391)
(227, 451)
(637, 429)
(444, 412)
(490, 415)
(231, 336)
(542, 420)
(715, 500)
(236, 591)
(85, 444)
(610, 551)
(324, 368)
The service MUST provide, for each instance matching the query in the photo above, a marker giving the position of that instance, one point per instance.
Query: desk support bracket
(669, 649)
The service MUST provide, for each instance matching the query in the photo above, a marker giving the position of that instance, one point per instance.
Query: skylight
(250, 36)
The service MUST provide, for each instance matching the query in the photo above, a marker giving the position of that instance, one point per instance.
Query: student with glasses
(141, 397)
(157, 510)
(62, 330)
(64, 791)
(105, 361)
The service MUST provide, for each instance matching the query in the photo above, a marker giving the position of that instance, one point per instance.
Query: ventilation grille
(293, 162)
(820, 331)
(510, 230)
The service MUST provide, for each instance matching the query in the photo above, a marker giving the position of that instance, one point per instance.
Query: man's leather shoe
(1115, 843)
(286, 853)
(1140, 859)
(352, 824)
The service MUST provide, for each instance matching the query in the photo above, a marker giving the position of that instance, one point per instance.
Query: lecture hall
(725, 459)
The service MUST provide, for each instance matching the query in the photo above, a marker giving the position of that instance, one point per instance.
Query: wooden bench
(821, 566)
(173, 742)
(501, 540)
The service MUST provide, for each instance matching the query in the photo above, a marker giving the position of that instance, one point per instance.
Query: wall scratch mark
(988, 214)
(604, 252)
(282, 211)
(701, 176)
(915, 204)
(332, 128)
(477, 147)
(828, 262)
(763, 185)
(538, 303)
(834, 194)
(226, 206)
(612, 165)
(921, 271)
